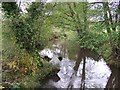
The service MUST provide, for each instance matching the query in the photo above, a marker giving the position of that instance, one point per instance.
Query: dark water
(90, 71)
(114, 79)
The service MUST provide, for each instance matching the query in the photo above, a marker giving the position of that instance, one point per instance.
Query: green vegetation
(96, 29)
(25, 34)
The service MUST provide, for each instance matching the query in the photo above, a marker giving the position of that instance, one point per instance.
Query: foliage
(20, 68)
(23, 37)
(17, 63)
(96, 29)
(70, 17)
(29, 31)
(11, 9)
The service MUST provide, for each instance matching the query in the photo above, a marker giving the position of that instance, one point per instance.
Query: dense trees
(11, 9)
(82, 18)
(23, 37)
(29, 29)
(112, 22)
(93, 26)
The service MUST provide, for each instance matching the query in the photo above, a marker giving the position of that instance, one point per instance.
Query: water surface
(88, 70)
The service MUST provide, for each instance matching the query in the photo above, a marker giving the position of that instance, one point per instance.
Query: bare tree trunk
(83, 75)
(107, 24)
(118, 48)
(119, 25)
(105, 7)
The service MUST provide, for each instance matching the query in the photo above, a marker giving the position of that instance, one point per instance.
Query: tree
(11, 9)
(118, 16)
(72, 16)
(27, 36)
(111, 24)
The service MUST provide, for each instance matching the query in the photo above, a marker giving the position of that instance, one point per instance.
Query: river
(87, 70)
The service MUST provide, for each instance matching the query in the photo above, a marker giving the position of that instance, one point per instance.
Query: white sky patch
(48, 1)
(24, 4)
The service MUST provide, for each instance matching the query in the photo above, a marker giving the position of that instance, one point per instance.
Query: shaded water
(87, 71)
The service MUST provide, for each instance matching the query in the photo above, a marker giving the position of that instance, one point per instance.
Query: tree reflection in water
(89, 71)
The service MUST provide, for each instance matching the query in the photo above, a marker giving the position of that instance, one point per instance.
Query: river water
(88, 70)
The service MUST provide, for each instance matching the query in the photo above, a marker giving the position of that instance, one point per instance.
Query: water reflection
(90, 74)
(88, 71)
(82, 54)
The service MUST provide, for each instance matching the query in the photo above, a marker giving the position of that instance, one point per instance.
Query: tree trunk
(105, 7)
(107, 24)
(83, 75)
(118, 49)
